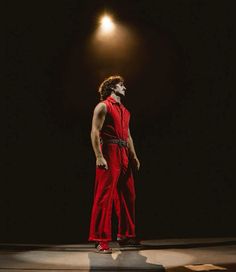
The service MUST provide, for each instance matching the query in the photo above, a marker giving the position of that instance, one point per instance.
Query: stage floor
(156, 255)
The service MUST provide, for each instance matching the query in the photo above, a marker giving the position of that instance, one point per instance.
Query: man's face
(120, 89)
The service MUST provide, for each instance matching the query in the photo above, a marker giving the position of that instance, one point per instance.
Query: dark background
(181, 95)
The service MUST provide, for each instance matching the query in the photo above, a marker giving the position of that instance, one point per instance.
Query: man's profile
(115, 153)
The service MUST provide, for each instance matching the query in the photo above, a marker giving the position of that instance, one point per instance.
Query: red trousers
(114, 185)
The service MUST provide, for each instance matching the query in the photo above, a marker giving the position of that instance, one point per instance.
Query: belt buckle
(120, 143)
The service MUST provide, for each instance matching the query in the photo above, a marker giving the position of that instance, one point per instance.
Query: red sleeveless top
(116, 123)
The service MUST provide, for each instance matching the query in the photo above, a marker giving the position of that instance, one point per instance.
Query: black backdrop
(181, 98)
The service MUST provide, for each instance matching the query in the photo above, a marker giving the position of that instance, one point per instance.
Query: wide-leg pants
(114, 185)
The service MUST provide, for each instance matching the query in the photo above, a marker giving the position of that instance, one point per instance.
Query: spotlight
(107, 25)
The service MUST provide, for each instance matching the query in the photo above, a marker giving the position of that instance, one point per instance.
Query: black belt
(120, 142)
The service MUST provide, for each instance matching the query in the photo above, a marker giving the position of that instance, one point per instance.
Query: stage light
(107, 25)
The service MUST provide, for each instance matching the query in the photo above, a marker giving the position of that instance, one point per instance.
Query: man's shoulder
(101, 106)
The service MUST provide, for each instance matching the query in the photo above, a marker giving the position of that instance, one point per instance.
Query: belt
(120, 142)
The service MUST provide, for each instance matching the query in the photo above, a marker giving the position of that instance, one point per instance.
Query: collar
(112, 100)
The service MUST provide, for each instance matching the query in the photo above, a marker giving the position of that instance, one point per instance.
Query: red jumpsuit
(115, 184)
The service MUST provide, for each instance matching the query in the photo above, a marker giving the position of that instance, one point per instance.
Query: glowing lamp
(107, 25)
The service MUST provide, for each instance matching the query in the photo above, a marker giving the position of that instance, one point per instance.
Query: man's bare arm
(97, 123)
(132, 150)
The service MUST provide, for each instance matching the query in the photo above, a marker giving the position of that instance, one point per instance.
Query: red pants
(115, 185)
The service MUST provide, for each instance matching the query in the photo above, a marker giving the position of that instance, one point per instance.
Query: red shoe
(103, 247)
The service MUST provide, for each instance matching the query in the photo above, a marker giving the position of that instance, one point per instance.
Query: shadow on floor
(124, 261)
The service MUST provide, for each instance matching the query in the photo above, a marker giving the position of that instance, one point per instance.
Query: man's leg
(124, 202)
(105, 183)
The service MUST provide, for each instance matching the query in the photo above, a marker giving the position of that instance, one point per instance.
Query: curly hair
(107, 86)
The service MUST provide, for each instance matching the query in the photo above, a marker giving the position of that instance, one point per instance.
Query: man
(114, 184)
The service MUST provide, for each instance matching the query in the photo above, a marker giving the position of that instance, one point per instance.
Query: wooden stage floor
(154, 255)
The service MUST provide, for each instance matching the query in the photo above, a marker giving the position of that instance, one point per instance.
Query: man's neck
(116, 97)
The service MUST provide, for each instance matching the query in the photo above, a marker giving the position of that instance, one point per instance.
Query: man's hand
(134, 159)
(136, 163)
(101, 163)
